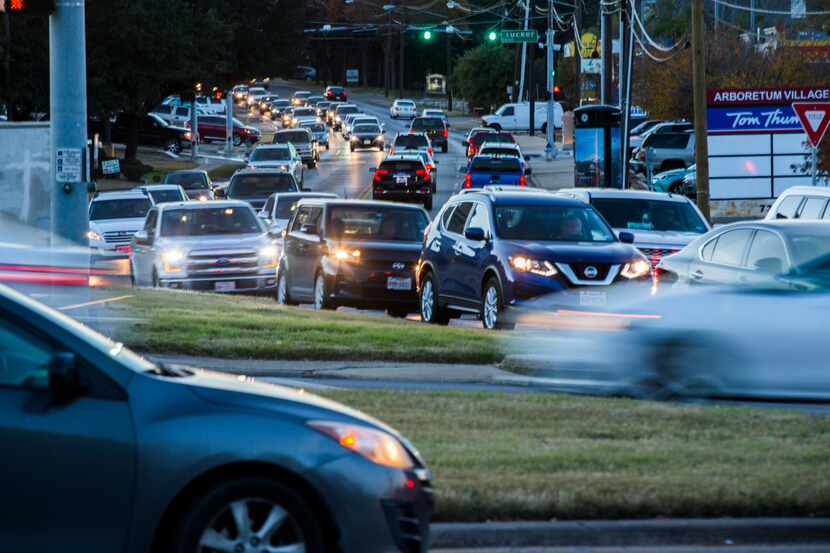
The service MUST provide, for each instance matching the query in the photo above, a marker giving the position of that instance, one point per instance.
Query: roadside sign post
(550, 147)
(228, 123)
(517, 36)
(815, 118)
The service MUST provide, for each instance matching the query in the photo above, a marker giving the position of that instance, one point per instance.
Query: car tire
(544, 128)
(236, 140)
(312, 164)
(428, 203)
(282, 294)
(327, 147)
(208, 518)
(431, 312)
(445, 148)
(321, 299)
(132, 275)
(398, 313)
(173, 146)
(492, 306)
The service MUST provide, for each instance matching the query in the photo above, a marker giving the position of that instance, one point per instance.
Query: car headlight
(374, 445)
(527, 265)
(172, 260)
(268, 257)
(347, 255)
(203, 198)
(636, 268)
(354, 138)
(337, 118)
(93, 236)
(379, 138)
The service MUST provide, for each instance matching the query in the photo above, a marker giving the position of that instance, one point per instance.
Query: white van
(516, 117)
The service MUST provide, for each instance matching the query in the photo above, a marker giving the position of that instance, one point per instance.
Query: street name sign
(513, 36)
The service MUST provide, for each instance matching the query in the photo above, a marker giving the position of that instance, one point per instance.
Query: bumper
(369, 289)
(362, 144)
(402, 195)
(242, 284)
(376, 512)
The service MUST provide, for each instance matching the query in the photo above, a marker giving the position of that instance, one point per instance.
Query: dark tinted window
(183, 111)
(481, 138)
(336, 89)
(271, 154)
(676, 141)
(459, 217)
(291, 136)
(445, 217)
(203, 221)
(510, 152)
(376, 223)
(133, 208)
(496, 165)
(766, 245)
(366, 129)
(509, 110)
(730, 247)
(161, 196)
(257, 186)
(788, 207)
(188, 181)
(305, 112)
(164, 110)
(316, 127)
(650, 215)
(402, 166)
(411, 141)
(551, 223)
(345, 110)
(427, 123)
(812, 208)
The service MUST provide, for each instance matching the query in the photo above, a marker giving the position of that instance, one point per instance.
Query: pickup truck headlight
(268, 257)
(636, 268)
(172, 261)
(527, 265)
(93, 236)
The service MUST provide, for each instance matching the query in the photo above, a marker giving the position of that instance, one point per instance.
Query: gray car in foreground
(107, 452)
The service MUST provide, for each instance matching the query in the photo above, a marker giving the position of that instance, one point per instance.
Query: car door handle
(697, 275)
(457, 249)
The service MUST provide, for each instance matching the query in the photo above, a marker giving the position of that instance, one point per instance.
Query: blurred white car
(114, 217)
(436, 113)
(403, 108)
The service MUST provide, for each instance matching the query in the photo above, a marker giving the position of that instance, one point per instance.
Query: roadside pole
(550, 147)
(402, 52)
(67, 105)
(522, 71)
(194, 131)
(228, 123)
(606, 28)
(531, 82)
(629, 69)
(699, 102)
(449, 70)
(815, 165)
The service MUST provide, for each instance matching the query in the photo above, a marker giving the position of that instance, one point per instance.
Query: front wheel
(236, 140)
(321, 299)
(492, 307)
(431, 312)
(248, 514)
(283, 296)
(173, 147)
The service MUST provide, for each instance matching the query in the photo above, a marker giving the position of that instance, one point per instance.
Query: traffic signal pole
(67, 107)
(531, 82)
(699, 103)
(550, 147)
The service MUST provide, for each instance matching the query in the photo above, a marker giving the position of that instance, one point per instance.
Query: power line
(765, 11)
(651, 41)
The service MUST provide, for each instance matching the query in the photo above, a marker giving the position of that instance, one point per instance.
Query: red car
(477, 139)
(212, 129)
(336, 94)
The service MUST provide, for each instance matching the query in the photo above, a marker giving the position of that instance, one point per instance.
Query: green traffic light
(427, 35)
(492, 36)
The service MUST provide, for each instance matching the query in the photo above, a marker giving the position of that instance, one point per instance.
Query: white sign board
(24, 172)
(352, 76)
(68, 165)
(111, 167)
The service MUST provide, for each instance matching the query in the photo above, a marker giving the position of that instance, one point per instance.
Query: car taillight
(446, 132)
(522, 180)
(472, 151)
(423, 174)
(380, 173)
(468, 181)
(410, 130)
(430, 151)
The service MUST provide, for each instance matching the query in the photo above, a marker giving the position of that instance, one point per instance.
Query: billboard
(25, 189)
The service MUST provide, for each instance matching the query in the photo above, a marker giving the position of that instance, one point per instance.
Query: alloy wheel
(427, 300)
(491, 308)
(252, 525)
(319, 292)
(282, 290)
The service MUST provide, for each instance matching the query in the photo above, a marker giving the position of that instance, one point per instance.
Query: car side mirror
(476, 234)
(769, 266)
(528, 171)
(435, 161)
(142, 237)
(309, 229)
(626, 238)
(64, 378)
(219, 192)
(262, 215)
(462, 169)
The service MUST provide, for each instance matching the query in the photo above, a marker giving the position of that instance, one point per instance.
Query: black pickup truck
(152, 131)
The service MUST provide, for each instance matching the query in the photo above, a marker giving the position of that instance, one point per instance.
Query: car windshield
(377, 223)
(405, 104)
(401, 166)
(496, 165)
(551, 223)
(367, 129)
(500, 152)
(204, 221)
(128, 208)
(305, 112)
(188, 181)
(481, 138)
(316, 128)
(410, 141)
(293, 137)
(161, 196)
(271, 154)
(343, 111)
(428, 123)
(257, 186)
(658, 215)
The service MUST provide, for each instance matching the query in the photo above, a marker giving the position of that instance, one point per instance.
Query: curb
(632, 533)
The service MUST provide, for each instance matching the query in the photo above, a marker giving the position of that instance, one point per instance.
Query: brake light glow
(446, 133)
(468, 181)
(380, 173)
(423, 174)
(430, 151)
(522, 180)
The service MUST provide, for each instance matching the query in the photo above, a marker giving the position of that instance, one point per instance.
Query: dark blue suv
(492, 249)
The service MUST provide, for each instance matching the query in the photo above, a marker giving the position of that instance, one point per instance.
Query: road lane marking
(91, 303)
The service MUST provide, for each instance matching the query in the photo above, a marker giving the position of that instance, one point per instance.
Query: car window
(508, 111)
(766, 245)
(510, 152)
(24, 358)
(445, 217)
(731, 246)
(427, 123)
(271, 154)
(210, 221)
(674, 141)
(366, 129)
(788, 207)
(812, 208)
(411, 141)
(150, 222)
(163, 109)
(269, 205)
(358, 223)
(188, 181)
(707, 250)
(401, 166)
(492, 137)
(291, 136)
(659, 215)
(258, 186)
(132, 208)
(459, 217)
(308, 215)
(183, 112)
(480, 218)
(161, 196)
(496, 165)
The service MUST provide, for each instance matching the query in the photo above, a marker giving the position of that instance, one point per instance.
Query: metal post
(387, 56)
(607, 56)
(67, 106)
(752, 19)
(449, 70)
(629, 69)
(531, 81)
(228, 123)
(550, 147)
(699, 102)
(521, 97)
(621, 62)
(815, 165)
(194, 131)
(402, 52)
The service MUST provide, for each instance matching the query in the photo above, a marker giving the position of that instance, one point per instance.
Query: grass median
(539, 457)
(256, 328)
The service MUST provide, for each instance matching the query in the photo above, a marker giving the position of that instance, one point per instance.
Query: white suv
(801, 202)
(114, 217)
(403, 108)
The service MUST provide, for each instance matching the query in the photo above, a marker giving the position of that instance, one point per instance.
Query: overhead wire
(766, 11)
(651, 41)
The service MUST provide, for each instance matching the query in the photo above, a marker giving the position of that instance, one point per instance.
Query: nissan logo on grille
(398, 266)
(590, 272)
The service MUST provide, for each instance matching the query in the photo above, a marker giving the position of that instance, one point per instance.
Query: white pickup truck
(516, 117)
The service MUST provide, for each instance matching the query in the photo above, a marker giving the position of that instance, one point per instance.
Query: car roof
(195, 204)
(301, 195)
(618, 193)
(187, 172)
(159, 186)
(784, 226)
(508, 145)
(525, 197)
(806, 191)
(338, 202)
(403, 156)
(133, 194)
(261, 171)
(275, 146)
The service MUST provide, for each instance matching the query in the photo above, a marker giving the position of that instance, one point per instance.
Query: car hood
(215, 241)
(109, 225)
(249, 393)
(575, 252)
(367, 134)
(653, 238)
(269, 163)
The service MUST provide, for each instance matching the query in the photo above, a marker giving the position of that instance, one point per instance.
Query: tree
(482, 75)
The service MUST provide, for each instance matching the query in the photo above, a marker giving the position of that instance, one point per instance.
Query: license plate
(591, 298)
(124, 249)
(225, 286)
(396, 283)
(367, 142)
(401, 179)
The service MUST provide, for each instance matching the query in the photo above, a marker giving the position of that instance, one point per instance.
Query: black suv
(434, 128)
(152, 131)
(403, 177)
(352, 253)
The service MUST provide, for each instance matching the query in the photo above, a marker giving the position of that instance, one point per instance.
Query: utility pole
(623, 24)
(449, 69)
(531, 82)
(387, 57)
(523, 69)
(606, 29)
(577, 54)
(403, 48)
(625, 100)
(67, 106)
(752, 30)
(699, 93)
(550, 146)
